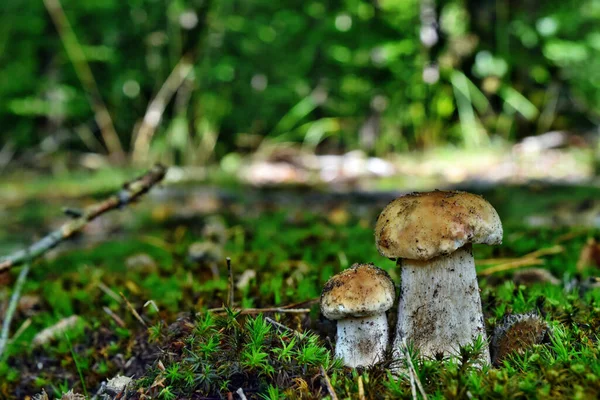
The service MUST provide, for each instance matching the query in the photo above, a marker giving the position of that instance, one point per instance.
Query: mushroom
(430, 236)
(358, 298)
(206, 254)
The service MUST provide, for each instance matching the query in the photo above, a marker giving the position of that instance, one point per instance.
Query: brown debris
(590, 255)
(530, 276)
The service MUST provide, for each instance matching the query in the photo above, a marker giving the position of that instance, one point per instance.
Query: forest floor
(142, 291)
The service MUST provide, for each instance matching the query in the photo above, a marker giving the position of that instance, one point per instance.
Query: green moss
(292, 254)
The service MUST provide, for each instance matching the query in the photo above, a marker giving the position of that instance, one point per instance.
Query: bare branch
(129, 193)
(330, 388)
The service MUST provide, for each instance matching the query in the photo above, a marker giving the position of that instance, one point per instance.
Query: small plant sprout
(358, 299)
(430, 236)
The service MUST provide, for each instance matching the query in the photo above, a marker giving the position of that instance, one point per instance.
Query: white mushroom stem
(362, 341)
(440, 305)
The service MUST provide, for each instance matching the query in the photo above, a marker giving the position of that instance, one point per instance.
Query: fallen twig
(246, 311)
(524, 262)
(135, 313)
(114, 316)
(109, 292)
(282, 326)
(534, 254)
(130, 192)
(12, 306)
(55, 330)
(328, 384)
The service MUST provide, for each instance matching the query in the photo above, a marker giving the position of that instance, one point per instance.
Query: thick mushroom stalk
(441, 289)
(362, 341)
(430, 235)
(358, 299)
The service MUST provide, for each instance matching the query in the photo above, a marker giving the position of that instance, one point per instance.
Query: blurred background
(303, 91)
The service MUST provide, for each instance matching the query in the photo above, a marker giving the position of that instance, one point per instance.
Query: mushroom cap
(421, 226)
(205, 252)
(362, 290)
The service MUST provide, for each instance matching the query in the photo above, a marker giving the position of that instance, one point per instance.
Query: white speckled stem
(362, 341)
(440, 305)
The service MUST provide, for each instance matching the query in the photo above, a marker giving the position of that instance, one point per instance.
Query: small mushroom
(206, 254)
(358, 299)
(430, 236)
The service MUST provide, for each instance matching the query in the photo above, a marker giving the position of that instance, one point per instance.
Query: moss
(293, 253)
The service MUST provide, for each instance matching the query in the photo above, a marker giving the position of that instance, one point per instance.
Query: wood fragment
(330, 389)
(135, 313)
(534, 254)
(524, 262)
(52, 332)
(111, 293)
(130, 192)
(114, 316)
(283, 327)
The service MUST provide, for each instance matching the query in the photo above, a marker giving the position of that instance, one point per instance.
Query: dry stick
(12, 306)
(130, 192)
(246, 311)
(114, 316)
(109, 292)
(534, 254)
(84, 73)
(157, 106)
(285, 328)
(135, 313)
(570, 235)
(328, 384)
(525, 262)
(231, 288)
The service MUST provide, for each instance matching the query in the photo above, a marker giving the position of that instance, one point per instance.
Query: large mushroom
(358, 298)
(430, 236)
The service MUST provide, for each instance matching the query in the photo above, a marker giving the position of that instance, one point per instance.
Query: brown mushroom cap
(421, 226)
(362, 290)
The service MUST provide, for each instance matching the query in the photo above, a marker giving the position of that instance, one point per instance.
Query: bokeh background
(202, 82)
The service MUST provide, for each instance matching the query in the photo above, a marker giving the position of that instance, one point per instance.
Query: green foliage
(307, 72)
(220, 350)
(214, 353)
